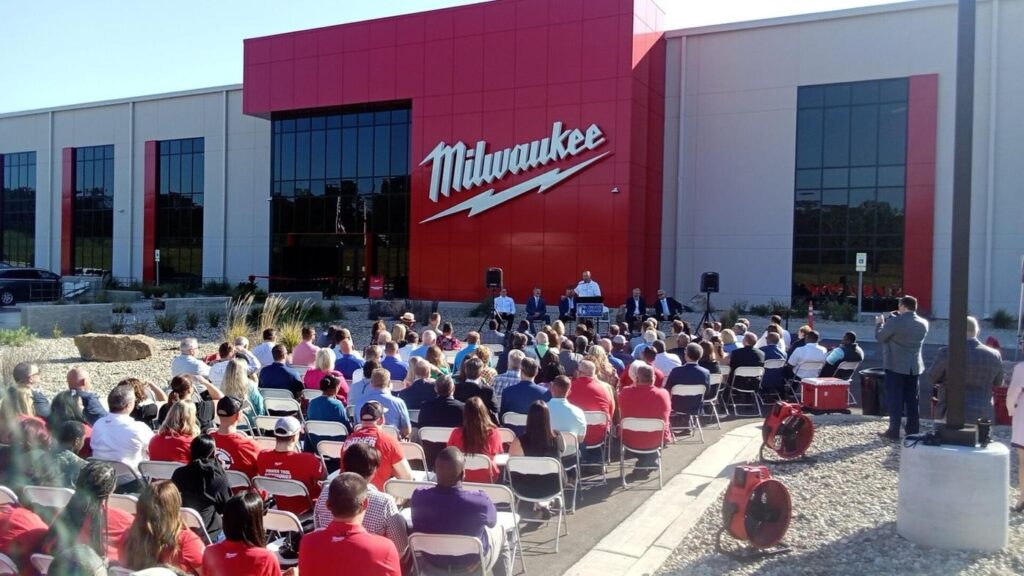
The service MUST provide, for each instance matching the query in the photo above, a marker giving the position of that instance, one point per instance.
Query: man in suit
(636, 308)
(567, 306)
(745, 355)
(667, 308)
(984, 370)
(568, 358)
(537, 308)
(901, 338)
(473, 386)
(690, 372)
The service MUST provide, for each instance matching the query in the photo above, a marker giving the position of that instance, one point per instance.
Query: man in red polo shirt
(235, 450)
(648, 356)
(287, 462)
(592, 395)
(344, 542)
(392, 460)
(644, 400)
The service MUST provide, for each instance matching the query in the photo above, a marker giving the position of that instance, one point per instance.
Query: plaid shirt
(382, 515)
(502, 381)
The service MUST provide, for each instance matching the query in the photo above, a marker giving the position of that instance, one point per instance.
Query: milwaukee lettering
(458, 167)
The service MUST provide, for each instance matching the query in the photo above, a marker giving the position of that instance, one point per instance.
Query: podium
(592, 308)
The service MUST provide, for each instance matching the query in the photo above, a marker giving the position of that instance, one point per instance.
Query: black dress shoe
(889, 437)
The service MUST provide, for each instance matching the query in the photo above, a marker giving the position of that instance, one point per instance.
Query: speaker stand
(708, 315)
(492, 315)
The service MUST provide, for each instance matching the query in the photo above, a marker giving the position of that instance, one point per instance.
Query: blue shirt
(347, 364)
(277, 375)
(462, 355)
(393, 364)
(519, 397)
(330, 410)
(420, 351)
(397, 414)
(617, 364)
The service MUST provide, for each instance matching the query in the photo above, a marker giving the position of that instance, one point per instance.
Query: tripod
(708, 316)
(492, 314)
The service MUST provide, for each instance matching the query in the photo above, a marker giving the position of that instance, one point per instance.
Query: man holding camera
(901, 338)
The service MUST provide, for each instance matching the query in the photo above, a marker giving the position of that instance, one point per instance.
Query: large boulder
(115, 348)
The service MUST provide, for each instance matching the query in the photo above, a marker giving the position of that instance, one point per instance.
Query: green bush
(316, 314)
(140, 327)
(1002, 320)
(740, 307)
(191, 320)
(217, 288)
(118, 325)
(778, 307)
(17, 337)
(728, 319)
(88, 327)
(122, 309)
(167, 323)
(839, 312)
(484, 308)
(213, 318)
(335, 312)
(761, 310)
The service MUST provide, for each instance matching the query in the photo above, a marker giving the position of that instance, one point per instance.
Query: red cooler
(825, 393)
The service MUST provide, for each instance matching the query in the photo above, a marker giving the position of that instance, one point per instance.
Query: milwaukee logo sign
(458, 167)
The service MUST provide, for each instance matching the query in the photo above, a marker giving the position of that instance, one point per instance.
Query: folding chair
(237, 480)
(41, 562)
(446, 545)
(299, 369)
(572, 451)
(268, 393)
(711, 398)
(502, 496)
(124, 502)
(126, 475)
(154, 470)
(687, 400)
(326, 428)
(495, 349)
(640, 425)
(287, 488)
(414, 416)
(434, 439)
(194, 521)
(845, 371)
(7, 496)
(725, 369)
(414, 453)
(48, 496)
(746, 380)
(812, 368)
(391, 431)
(535, 466)
(265, 425)
(449, 356)
(330, 448)
(595, 418)
(477, 462)
(286, 406)
(403, 489)
(266, 442)
(7, 565)
(281, 522)
(514, 419)
(773, 372)
(311, 394)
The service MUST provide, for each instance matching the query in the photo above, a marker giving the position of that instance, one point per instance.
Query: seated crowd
(547, 387)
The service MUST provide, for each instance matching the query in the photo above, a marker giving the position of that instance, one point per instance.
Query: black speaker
(493, 278)
(709, 282)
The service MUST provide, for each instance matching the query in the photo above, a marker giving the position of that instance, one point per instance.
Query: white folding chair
(774, 365)
(435, 434)
(266, 442)
(7, 566)
(398, 386)
(596, 418)
(391, 431)
(502, 496)
(514, 419)
(507, 436)
(310, 394)
(265, 425)
(571, 450)
(414, 453)
(535, 466)
(326, 428)
(289, 406)
(711, 398)
(287, 488)
(809, 369)
(687, 400)
(268, 393)
(194, 521)
(449, 356)
(7, 496)
(125, 473)
(746, 380)
(640, 425)
(299, 369)
(725, 369)
(403, 489)
(48, 496)
(495, 349)
(414, 416)
(41, 562)
(237, 479)
(846, 370)
(156, 470)
(124, 502)
(478, 462)
(436, 545)
(281, 522)
(330, 448)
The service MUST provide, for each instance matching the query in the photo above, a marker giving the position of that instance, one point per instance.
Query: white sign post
(156, 258)
(862, 266)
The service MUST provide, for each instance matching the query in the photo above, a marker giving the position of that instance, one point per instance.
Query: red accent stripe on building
(67, 212)
(919, 219)
(149, 192)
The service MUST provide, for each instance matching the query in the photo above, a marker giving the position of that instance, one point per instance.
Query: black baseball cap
(372, 411)
(228, 406)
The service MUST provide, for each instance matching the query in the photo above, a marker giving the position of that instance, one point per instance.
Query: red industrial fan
(757, 509)
(787, 431)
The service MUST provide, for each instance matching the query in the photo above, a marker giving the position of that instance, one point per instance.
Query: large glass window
(93, 217)
(850, 174)
(179, 228)
(340, 199)
(18, 209)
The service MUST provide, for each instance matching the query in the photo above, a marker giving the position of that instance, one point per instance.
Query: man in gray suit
(984, 370)
(901, 338)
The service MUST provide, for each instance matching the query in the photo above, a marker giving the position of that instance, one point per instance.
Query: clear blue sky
(55, 52)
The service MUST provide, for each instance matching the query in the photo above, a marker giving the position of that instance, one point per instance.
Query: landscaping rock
(115, 348)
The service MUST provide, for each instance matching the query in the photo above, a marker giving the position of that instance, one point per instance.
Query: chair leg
(622, 466)
(700, 430)
(661, 482)
(714, 409)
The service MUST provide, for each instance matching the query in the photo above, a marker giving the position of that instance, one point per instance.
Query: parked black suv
(28, 285)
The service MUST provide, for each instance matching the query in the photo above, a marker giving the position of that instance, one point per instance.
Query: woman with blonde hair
(604, 371)
(558, 327)
(238, 384)
(398, 334)
(436, 357)
(324, 366)
(728, 340)
(158, 536)
(487, 374)
(172, 443)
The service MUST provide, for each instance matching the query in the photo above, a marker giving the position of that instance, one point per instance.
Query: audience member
(276, 375)
(800, 341)
(442, 411)
(422, 388)
(78, 560)
(604, 370)
(21, 532)
(87, 519)
(565, 417)
(472, 387)
(568, 359)
(808, 360)
(80, 382)
(665, 361)
(690, 372)
(427, 341)
(117, 436)
(286, 462)
(327, 407)
(509, 377)
(236, 383)
(984, 372)
(395, 412)
(731, 337)
(412, 339)
(70, 441)
(472, 342)
(518, 397)
(225, 352)
(187, 363)
(362, 382)
(447, 341)
(537, 440)
(492, 335)
(592, 396)
(304, 353)
(392, 459)
(393, 363)
(67, 407)
(644, 400)
(203, 484)
(26, 376)
(847, 351)
(264, 351)
(158, 536)
(323, 364)
(647, 339)
(747, 355)
(478, 435)
(619, 351)
(244, 548)
(172, 442)
(183, 388)
(235, 450)
(771, 348)
(146, 395)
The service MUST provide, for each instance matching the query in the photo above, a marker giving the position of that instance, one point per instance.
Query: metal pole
(860, 293)
(959, 269)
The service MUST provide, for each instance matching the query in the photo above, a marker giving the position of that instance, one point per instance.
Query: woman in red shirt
(478, 435)
(87, 519)
(158, 536)
(244, 549)
(172, 442)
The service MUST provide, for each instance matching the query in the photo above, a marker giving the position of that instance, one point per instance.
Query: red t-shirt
(625, 380)
(349, 546)
(591, 395)
(237, 452)
(21, 530)
(118, 523)
(389, 448)
(645, 402)
(231, 557)
(493, 448)
(300, 466)
(170, 447)
(188, 559)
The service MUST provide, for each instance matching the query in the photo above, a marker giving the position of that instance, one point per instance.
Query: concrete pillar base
(955, 497)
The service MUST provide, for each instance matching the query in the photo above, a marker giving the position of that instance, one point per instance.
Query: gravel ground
(57, 355)
(845, 517)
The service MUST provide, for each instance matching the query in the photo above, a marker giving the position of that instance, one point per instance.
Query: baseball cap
(372, 411)
(228, 406)
(287, 427)
(620, 339)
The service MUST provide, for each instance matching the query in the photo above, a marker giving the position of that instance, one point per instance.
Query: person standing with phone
(901, 338)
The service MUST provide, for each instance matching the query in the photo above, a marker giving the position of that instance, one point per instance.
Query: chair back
(391, 431)
(449, 356)
(747, 378)
(596, 418)
(237, 479)
(688, 398)
(507, 436)
(774, 364)
(326, 428)
(7, 496)
(269, 393)
(535, 466)
(712, 391)
(266, 424)
(310, 394)
(514, 419)
(477, 462)
(403, 489)
(725, 370)
(414, 416)
(716, 379)
(266, 442)
(7, 565)
(194, 521)
(48, 496)
(281, 521)
(811, 368)
(846, 370)
(435, 545)
(495, 349)
(290, 406)
(414, 453)
(155, 470)
(330, 448)
(640, 425)
(280, 487)
(498, 494)
(41, 562)
(299, 369)
(571, 443)
(125, 473)
(748, 372)
(124, 502)
(435, 434)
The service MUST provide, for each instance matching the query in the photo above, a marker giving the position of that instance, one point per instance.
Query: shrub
(213, 318)
(217, 288)
(1002, 320)
(167, 323)
(290, 334)
(840, 312)
(483, 308)
(58, 332)
(728, 319)
(122, 309)
(761, 310)
(88, 326)
(273, 312)
(316, 314)
(140, 326)
(334, 312)
(16, 337)
(740, 307)
(191, 320)
(118, 325)
(236, 321)
(778, 307)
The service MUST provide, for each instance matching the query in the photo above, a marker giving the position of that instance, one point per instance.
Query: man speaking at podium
(587, 288)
